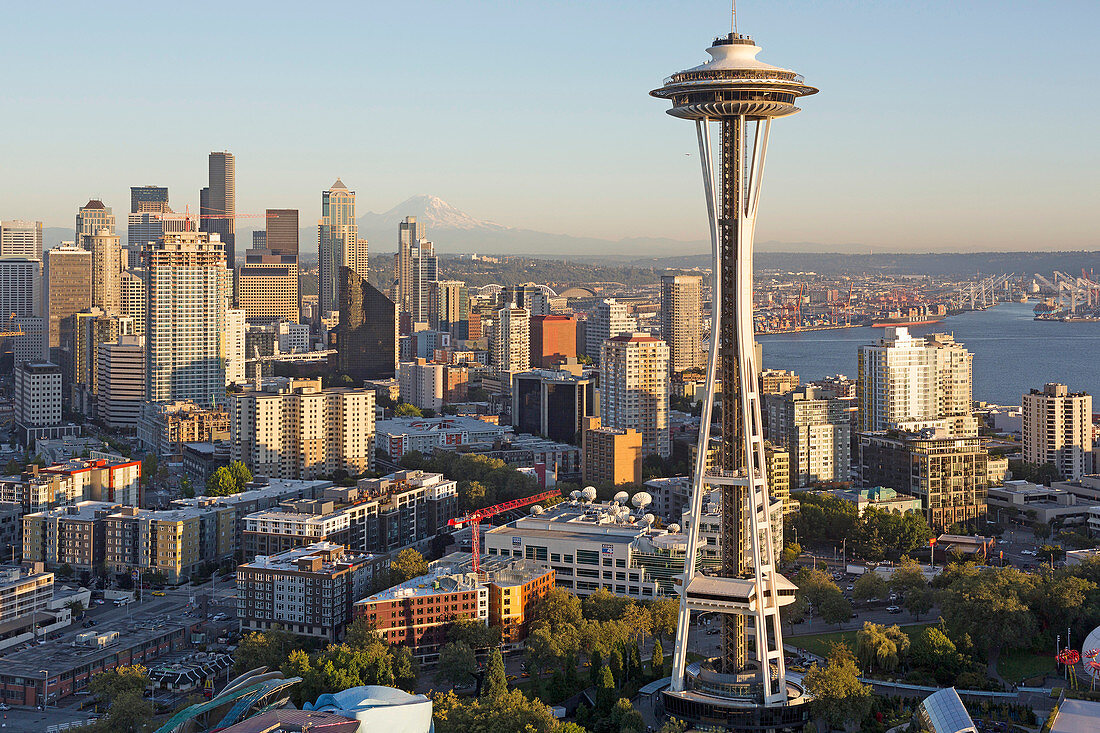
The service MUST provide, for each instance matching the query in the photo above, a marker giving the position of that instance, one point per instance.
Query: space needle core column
(746, 685)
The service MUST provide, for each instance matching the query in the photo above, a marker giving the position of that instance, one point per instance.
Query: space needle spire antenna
(745, 687)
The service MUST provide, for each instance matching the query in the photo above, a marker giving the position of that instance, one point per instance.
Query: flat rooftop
(426, 585)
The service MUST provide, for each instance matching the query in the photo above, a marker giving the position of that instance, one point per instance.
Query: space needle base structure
(744, 688)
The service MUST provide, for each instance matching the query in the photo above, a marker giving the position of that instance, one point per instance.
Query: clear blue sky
(939, 124)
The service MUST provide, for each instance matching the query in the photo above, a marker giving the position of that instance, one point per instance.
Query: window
(620, 563)
(588, 557)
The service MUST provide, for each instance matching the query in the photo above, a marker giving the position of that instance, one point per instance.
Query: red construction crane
(475, 519)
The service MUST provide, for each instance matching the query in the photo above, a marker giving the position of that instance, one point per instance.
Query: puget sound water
(1013, 353)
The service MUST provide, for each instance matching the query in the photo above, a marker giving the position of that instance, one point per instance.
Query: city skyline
(907, 176)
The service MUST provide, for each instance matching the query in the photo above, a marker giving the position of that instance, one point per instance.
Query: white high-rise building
(905, 379)
(21, 239)
(815, 431)
(187, 289)
(1057, 429)
(634, 385)
(21, 308)
(132, 289)
(422, 384)
(121, 382)
(682, 321)
(235, 329)
(415, 265)
(106, 271)
(38, 400)
(611, 319)
(511, 340)
(295, 430)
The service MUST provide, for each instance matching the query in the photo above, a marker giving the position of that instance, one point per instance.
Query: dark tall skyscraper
(147, 194)
(366, 339)
(218, 203)
(282, 231)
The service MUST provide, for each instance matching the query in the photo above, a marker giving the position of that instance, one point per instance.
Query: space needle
(745, 687)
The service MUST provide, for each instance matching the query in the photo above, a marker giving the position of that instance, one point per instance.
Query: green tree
(839, 697)
(835, 608)
(933, 651)
(65, 571)
(881, 646)
(404, 409)
(907, 577)
(989, 607)
(496, 682)
(129, 713)
(870, 585)
(108, 686)
(919, 602)
(664, 613)
(474, 633)
(559, 610)
(657, 662)
(76, 608)
(605, 689)
(149, 469)
(186, 488)
(457, 664)
(221, 483)
(407, 565)
(595, 665)
(1041, 530)
(298, 664)
(241, 475)
(615, 664)
(791, 552)
(511, 712)
(268, 649)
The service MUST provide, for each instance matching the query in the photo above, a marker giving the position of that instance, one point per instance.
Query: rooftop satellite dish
(649, 520)
(588, 493)
(575, 494)
(674, 529)
(537, 509)
(641, 499)
(621, 497)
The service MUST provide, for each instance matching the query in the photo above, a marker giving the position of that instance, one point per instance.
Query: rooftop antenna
(733, 22)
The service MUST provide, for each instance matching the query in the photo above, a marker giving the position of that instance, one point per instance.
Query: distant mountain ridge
(455, 231)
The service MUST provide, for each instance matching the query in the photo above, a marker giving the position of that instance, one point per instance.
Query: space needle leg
(683, 623)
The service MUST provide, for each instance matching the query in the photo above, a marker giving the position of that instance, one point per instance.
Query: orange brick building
(553, 339)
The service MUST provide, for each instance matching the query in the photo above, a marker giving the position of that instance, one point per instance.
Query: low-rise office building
(176, 542)
(515, 587)
(308, 590)
(418, 612)
(1039, 504)
(401, 435)
(72, 535)
(592, 546)
(377, 516)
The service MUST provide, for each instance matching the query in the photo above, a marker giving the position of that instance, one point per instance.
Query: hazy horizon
(537, 116)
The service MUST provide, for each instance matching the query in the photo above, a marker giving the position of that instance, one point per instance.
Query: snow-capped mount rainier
(434, 212)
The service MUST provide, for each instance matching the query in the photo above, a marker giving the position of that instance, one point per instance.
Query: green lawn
(1020, 665)
(820, 644)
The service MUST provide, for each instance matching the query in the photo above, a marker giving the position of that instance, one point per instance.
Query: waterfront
(1012, 352)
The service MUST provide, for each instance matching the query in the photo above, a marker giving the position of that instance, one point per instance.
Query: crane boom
(477, 515)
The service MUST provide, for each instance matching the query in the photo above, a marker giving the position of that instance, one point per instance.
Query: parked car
(893, 609)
